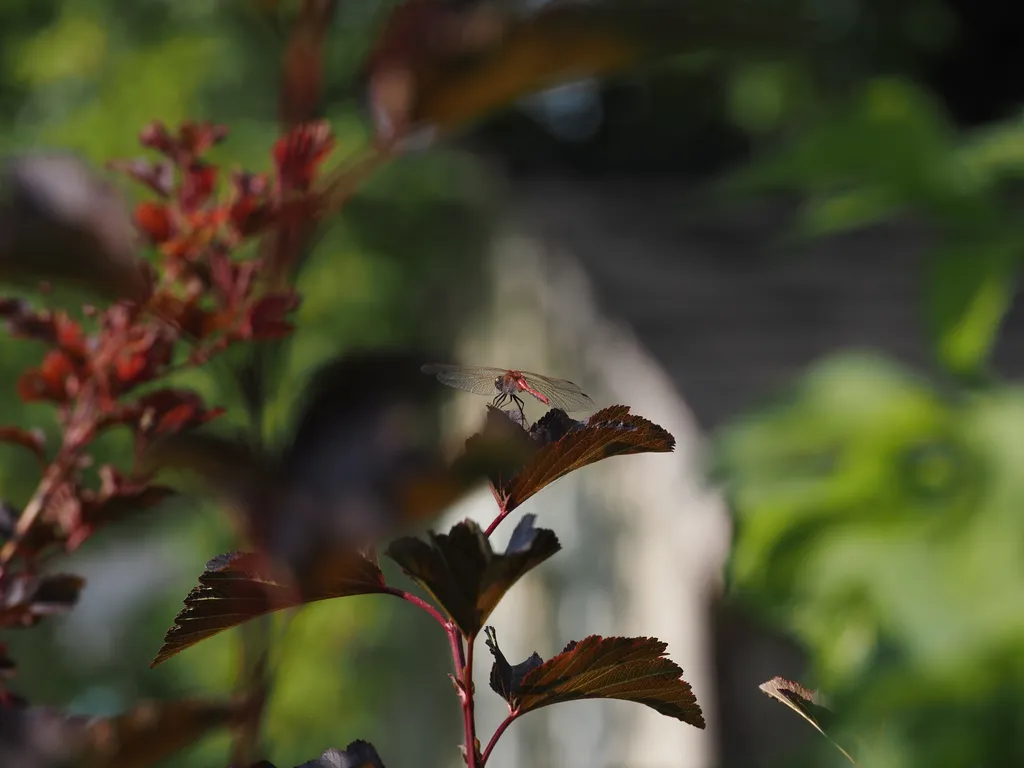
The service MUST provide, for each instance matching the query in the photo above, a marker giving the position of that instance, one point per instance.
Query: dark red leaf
(117, 499)
(163, 412)
(34, 440)
(27, 599)
(250, 211)
(193, 140)
(238, 587)
(610, 432)
(298, 155)
(155, 136)
(507, 678)
(302, 83)
(267, 318)
(805, 703)
(51, 380)
(161, 417)
(553, 426)
(626, 668)
(501, 448)
(159, 177)
(180, 313)
(197, 185)
(233, 280)
(155, 220)
(198, 138)
(465, 575)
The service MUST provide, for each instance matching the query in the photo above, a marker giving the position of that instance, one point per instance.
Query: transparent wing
(562, 393)
(476, 379)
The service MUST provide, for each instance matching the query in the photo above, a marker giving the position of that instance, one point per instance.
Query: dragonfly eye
(498, 382)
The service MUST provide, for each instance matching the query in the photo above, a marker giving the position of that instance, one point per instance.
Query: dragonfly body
(506, 384)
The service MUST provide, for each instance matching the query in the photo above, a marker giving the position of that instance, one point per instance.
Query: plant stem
(462, 660)
(468, 717)
(502, 514)
(494, 739)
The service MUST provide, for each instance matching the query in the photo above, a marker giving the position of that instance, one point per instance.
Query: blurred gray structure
(614, 282)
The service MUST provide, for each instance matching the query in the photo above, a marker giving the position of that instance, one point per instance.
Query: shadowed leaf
(610, 432)
(39, 737)
(507, 678)
(60, 222)
(153, 731)
(437, 67)
(302, 84)
(27, 599)
(358, 754)
(363, 462)
(465, 575)
(626, 668)
(802, 701)
(237, 587)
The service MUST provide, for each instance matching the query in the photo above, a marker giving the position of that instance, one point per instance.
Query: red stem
(463, 662)
(502, 514)
(494, 739)
(468, 718)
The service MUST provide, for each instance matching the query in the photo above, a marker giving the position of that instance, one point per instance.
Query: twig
(494, 739)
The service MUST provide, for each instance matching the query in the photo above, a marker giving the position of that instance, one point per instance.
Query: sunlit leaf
(26, 599)
(626, 668)
(802, 701)
(610, 432)
(465, 575)
(238, 587)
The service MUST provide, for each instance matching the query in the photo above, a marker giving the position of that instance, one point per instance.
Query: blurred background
(804, 269)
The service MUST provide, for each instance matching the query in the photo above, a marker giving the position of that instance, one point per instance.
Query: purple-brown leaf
(804, 702)
(153, 731)
(465, 575)
(37, 737)
(27, 599)
(358, 754)
(610, 432)
(239, 586)
(627, 668)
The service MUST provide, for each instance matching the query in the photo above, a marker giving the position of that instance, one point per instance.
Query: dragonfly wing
(561, 393)
(479, 381)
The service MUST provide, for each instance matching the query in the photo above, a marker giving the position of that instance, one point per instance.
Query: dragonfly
(506, 384)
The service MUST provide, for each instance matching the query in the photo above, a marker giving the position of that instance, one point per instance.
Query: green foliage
(879, 521)
(891, 151)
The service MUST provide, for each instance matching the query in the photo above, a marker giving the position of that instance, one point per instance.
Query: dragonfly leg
(499, 399)
(518, 401)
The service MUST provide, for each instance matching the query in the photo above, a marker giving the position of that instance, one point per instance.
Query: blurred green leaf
(879, 522)
(968, 292)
